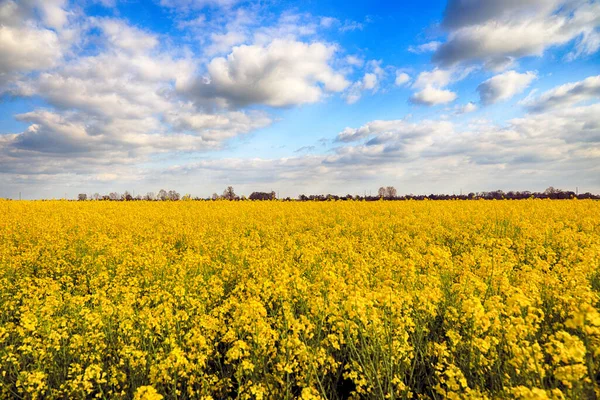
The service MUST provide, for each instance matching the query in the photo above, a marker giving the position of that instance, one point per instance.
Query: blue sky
(310, 97)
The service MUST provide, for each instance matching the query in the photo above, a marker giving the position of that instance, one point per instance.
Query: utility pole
(577, 190)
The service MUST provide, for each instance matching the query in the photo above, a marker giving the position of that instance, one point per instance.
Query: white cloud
(402, 78)
(216, 127)
(222, 43)
(27, 49)
(370, 81)
(465, 109)
(355, 61)
(432, 86)
(425, 48)
(192, 5)
(125, 37)
(504, 86)
(27, 44)
(383, 129)
(494, 32)
(565, 95)
(328, 22)
(437, 78)
(282, 73)
(431, 96)
(52, 13)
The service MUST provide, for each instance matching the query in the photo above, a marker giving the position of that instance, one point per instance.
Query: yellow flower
(147, 393)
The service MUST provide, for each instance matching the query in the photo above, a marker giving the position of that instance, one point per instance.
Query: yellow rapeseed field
(281, 300)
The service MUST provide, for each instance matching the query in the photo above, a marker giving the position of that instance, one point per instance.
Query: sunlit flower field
(281, 300)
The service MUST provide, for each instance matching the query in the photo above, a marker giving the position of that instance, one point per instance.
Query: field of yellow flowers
(281, 300)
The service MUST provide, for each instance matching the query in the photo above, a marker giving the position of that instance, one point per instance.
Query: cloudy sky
(298, 97)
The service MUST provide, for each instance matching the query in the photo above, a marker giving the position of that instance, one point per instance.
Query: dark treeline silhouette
(390, 193)
(386, 193)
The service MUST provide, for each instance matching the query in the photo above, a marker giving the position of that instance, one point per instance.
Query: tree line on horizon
(385, 193)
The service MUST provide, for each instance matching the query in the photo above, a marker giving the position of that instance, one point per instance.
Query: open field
(314, 300)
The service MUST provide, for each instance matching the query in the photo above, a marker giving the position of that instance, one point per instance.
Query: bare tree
(215, 196)
(388, 192)
(391, 192)
(162, 195)
(150, 196)
(229, 194)
(173, 195)
(114, 196)
(96, 196)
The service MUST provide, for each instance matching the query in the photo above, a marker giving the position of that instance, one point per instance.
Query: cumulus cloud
(431, 96)
(504, 86)
(565, 95)
(282, 73)
(496, 32)
(27, 44)
(402, 78)
(431, 85)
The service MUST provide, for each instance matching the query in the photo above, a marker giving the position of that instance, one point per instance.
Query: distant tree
(229, 194)
(114, 196)
(215, 196)
(173, 195)
(390, 192)
(162, 195)
(150, 196)
(126, 196)
(187, 197)
(262, 196)
(96, 196)
(82, 197)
